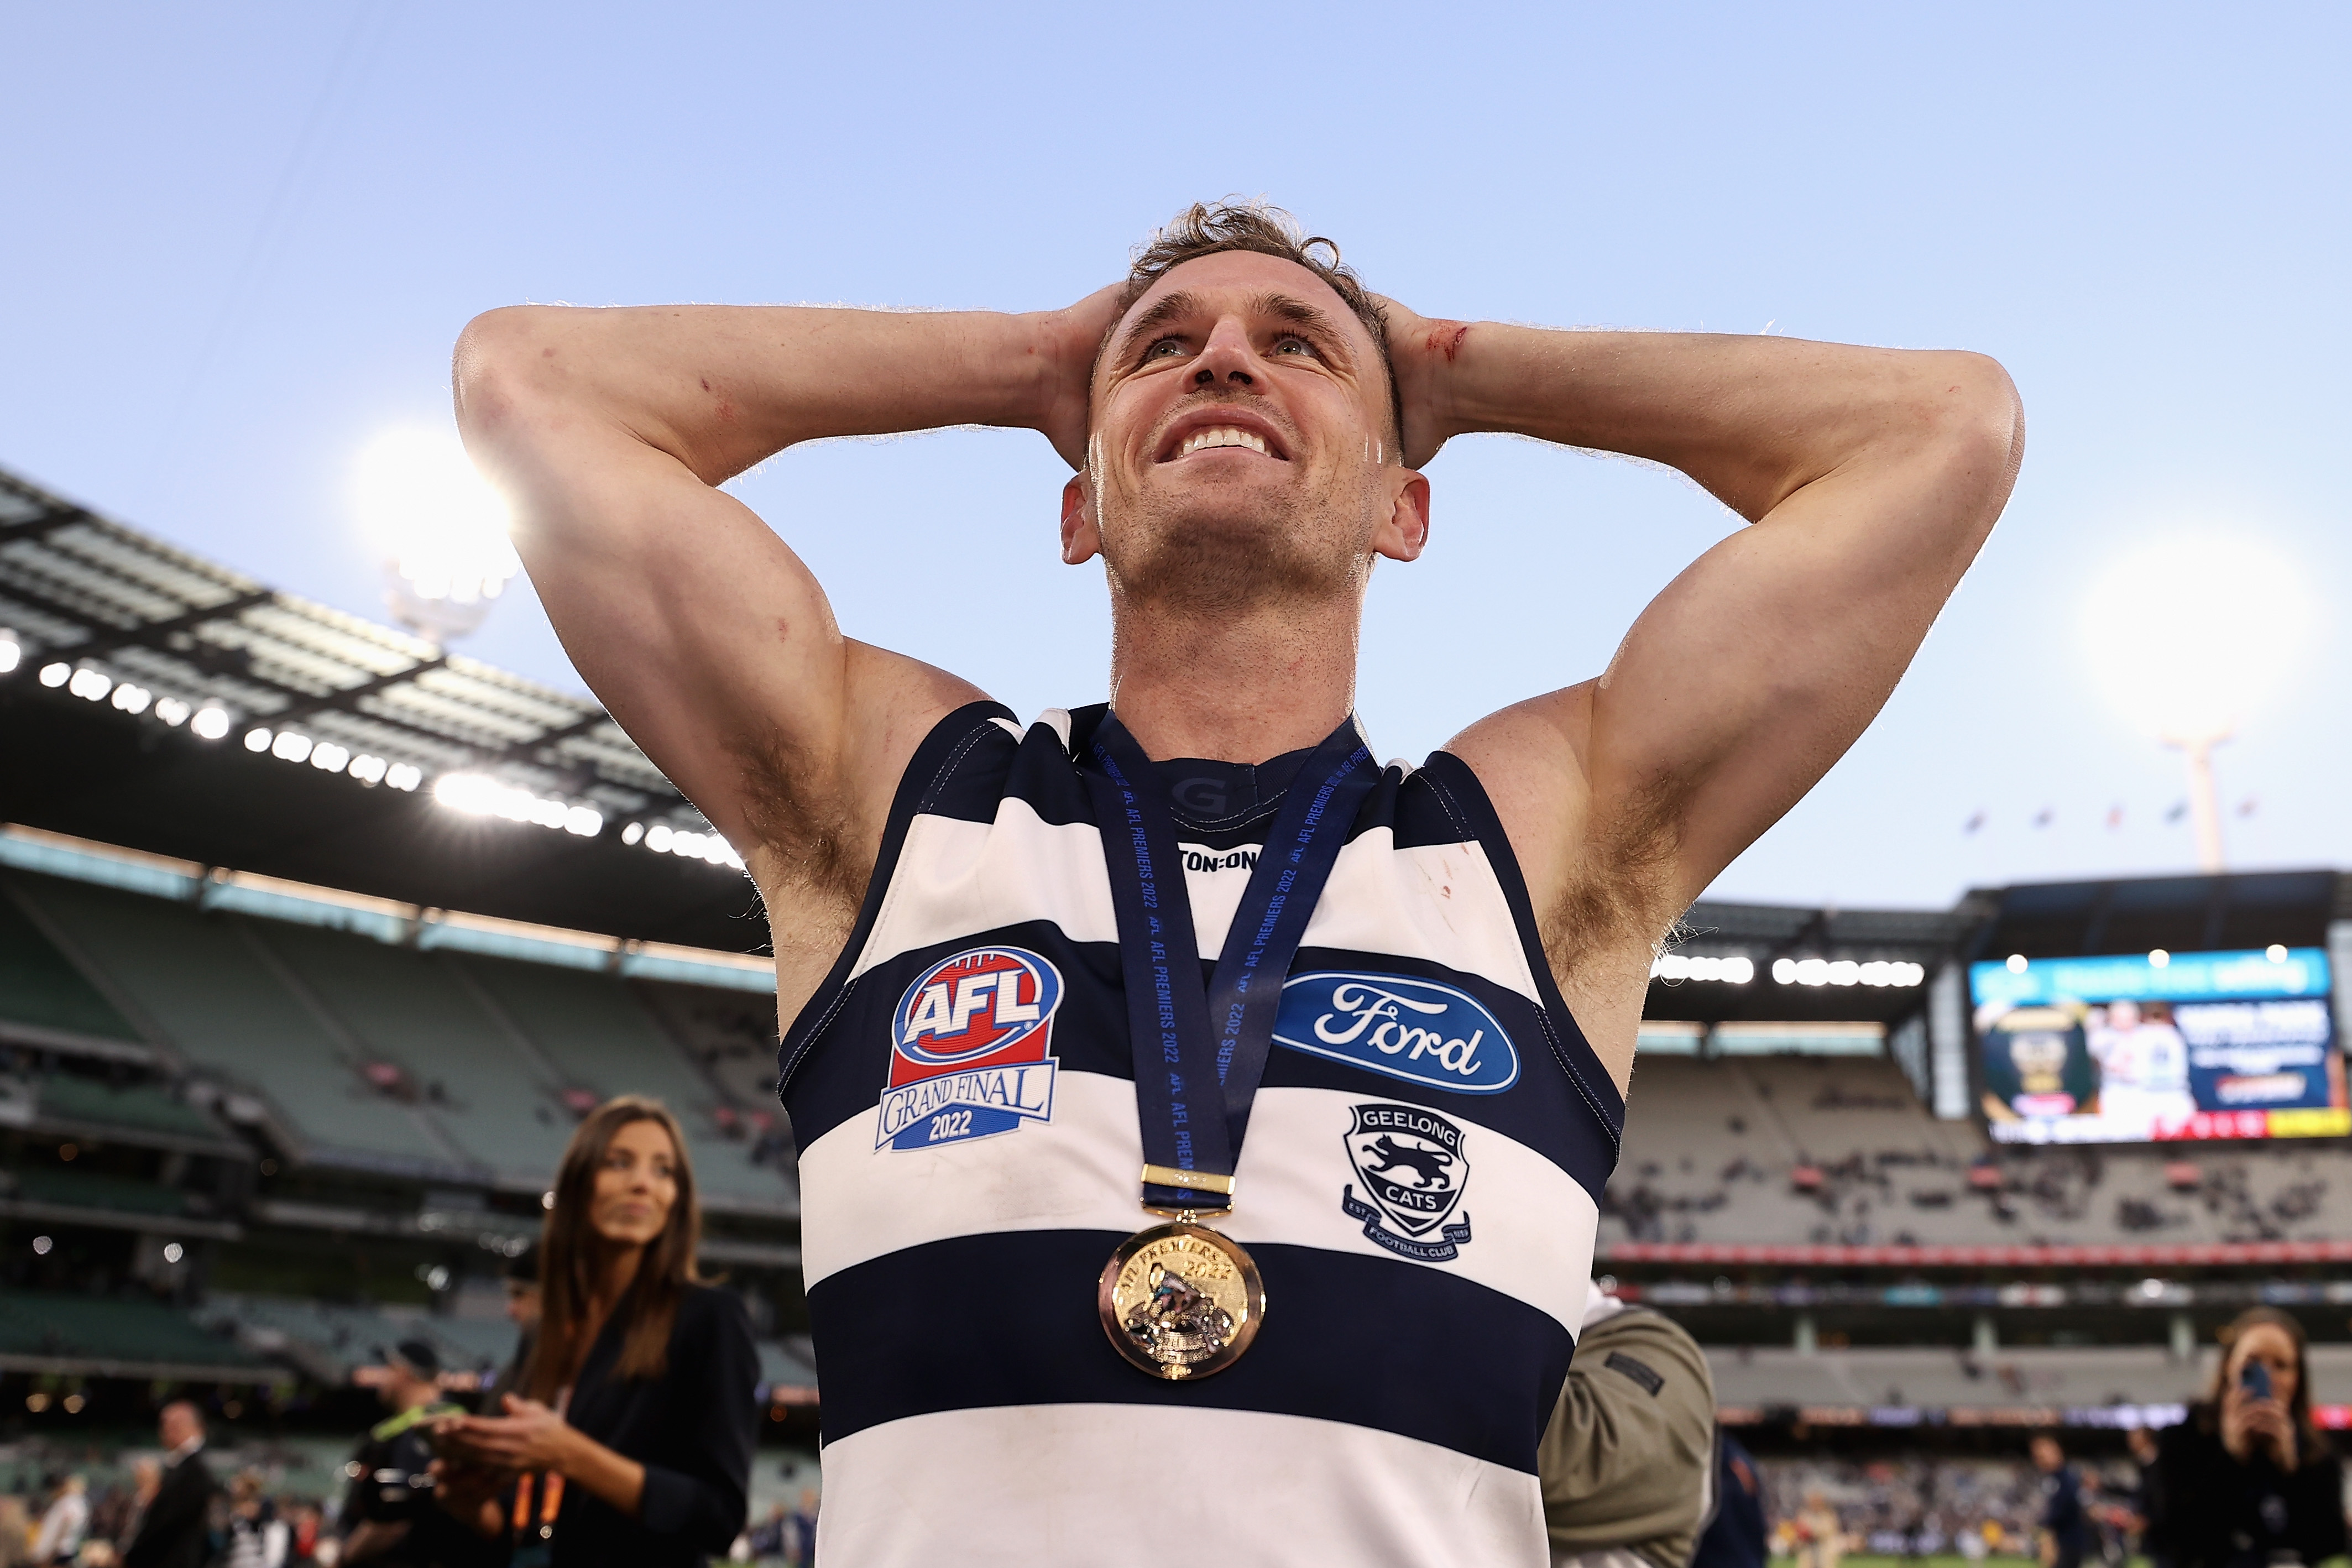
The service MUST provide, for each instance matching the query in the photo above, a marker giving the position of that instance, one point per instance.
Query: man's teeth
(1221, 435)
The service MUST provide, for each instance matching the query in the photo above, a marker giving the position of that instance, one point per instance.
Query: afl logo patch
(1412, 1029)
(969, 1049)
(1414, 1168)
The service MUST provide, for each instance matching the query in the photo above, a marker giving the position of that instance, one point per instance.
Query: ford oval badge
(1416, 1030)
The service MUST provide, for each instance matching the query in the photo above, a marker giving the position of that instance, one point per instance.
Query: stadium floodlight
(210, 723)
(172, 711)
(440, 529)
(12, 653)
(2189, 637)
(56, 673)
(89, 685)
(480, 795)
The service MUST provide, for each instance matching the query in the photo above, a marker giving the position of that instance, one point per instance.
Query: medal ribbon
(1200, 1050)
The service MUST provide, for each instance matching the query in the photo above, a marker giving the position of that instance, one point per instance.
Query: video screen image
(2153, 1048)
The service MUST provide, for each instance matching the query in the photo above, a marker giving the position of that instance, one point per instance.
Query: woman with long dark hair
(628, 1440)
(2247, 1479)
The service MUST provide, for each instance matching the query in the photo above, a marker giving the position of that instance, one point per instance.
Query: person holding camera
(2247, 1480)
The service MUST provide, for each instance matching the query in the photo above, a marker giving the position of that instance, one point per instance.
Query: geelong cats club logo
(969, 1049)
(1413, 1170)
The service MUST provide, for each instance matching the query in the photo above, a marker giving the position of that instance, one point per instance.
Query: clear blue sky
(242, 239)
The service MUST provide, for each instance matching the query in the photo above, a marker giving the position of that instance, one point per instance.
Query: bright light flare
(2188, 636)
(441, 527)
(483, 796)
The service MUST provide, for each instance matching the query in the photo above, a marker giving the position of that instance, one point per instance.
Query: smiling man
(1201, 1126)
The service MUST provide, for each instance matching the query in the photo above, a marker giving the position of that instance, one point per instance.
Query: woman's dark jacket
(692, 1428)
(2208, 1511)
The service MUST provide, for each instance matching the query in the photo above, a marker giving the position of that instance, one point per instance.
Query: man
(389, 1515)
(1012, 1048)
(174, 1531)
(2064, 1531)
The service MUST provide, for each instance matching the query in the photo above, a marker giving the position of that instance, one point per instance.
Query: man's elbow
(500, 365)
(1963, 415)
(1972, 405)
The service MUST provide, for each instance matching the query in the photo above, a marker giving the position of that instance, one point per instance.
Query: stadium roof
(152, 698)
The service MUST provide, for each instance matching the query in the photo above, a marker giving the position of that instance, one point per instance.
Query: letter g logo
(1404, 1027)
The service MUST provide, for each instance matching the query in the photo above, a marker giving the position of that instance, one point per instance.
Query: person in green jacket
(1628, 1460)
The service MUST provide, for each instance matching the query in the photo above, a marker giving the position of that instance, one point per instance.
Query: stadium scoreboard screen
(2157, 1046)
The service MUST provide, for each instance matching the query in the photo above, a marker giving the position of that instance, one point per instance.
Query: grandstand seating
(437, 1065)
(130, 1332)
(136, 1110)
(1713, 1149)
(212, 994)
(45, 990)
(67, 1187)
(594, 1029)
(330, 1341)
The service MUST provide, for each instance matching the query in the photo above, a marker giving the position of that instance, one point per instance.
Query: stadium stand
(1836, 1150)
(433, 1065)
(125, 1337)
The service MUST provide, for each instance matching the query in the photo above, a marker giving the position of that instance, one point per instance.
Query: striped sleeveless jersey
(1419, 1186)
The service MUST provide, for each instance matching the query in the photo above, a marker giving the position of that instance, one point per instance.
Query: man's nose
(1228, 359)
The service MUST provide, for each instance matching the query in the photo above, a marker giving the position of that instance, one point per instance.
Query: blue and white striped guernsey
(1419, 1188)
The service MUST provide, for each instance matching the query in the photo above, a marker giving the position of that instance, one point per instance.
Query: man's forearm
(723, 387)
(1754, 419)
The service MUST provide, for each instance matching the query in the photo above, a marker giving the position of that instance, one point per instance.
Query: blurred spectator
(522, 1311)
(256, 1536)
(1626, 1458)
(303, 1524)
(146, 1478)
(767, 1537)
(174, 1529)
(63, 1526)
(1820, 1535)
(2247, 1479)
(632, 1427)
(389, 1515)
(1735, 1535)
(800, 1532)
(16, 1533)
(2064, 1531)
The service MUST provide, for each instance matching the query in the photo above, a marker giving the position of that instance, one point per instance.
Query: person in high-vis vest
(1202, 1125)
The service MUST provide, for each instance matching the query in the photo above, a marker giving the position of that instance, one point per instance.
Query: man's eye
(1293, 346)
(1166, 347)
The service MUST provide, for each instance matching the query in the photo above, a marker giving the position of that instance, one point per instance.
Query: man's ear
(1406, 532)
(1081, 536)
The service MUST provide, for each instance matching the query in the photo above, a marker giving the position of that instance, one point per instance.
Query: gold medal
(1181, 1301)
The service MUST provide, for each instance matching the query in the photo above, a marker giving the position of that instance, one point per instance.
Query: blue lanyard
(1200, 1050)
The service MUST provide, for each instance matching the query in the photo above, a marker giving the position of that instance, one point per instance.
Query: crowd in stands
(1839, 1150)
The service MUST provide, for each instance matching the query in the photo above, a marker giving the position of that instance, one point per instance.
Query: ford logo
(1417, 1030)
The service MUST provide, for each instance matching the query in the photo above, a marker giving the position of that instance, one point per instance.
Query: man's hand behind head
(1069, 339)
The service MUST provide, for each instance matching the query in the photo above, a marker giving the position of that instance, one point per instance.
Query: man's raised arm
(700, 628)
(1872, 475)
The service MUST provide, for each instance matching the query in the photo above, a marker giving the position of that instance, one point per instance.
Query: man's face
(1241, 442)
(177, 1425)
